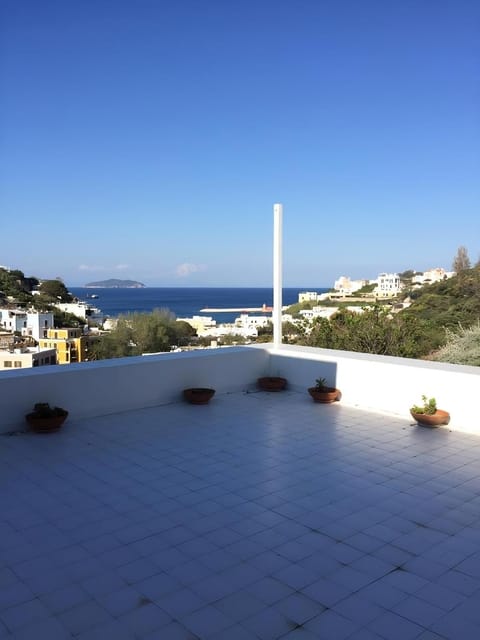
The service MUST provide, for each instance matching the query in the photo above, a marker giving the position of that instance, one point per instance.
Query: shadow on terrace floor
(257, 516)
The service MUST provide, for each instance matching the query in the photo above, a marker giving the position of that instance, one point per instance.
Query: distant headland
(114, 283)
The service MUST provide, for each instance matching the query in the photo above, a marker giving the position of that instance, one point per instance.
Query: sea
(184, 301)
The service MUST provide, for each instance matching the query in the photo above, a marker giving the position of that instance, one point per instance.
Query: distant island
(114, 283)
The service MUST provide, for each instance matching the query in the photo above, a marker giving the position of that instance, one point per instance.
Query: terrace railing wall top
(376, 383)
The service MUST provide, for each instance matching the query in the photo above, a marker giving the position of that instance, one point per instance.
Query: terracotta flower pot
(46, 424)
(431, 420)
(198, 395)
(325, 395)
(272, 383)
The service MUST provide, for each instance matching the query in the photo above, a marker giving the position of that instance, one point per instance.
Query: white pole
(277, 275)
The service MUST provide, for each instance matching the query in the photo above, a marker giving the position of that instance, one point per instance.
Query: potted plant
(321, 392)
(45, 419)
(272, 383)
(198, 395)
(428, 415)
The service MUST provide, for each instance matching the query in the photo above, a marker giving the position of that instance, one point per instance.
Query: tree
(55, 290)
(374, 330)
(139, 333)
(461, 262)
(13, 283)
(408, 274)
(184, 332)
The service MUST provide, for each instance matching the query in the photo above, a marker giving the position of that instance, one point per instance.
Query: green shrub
(462, 347)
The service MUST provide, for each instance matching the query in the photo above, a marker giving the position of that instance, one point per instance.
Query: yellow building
(72, 344)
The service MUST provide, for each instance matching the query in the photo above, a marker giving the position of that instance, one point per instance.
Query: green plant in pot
(324, 393)
(428, 415)
(45, 419)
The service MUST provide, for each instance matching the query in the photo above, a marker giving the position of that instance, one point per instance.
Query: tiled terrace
(258, 516)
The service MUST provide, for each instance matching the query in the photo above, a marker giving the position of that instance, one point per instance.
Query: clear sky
(149, 139)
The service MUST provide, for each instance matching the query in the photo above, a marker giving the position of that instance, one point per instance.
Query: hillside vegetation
(463, 347)
(15, 284)
(447, 305)
(438, 315)
(16, 289)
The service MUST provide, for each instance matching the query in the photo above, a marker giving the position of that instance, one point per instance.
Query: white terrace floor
(258, 516)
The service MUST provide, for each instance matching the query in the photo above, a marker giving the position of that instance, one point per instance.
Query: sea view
(184, 301)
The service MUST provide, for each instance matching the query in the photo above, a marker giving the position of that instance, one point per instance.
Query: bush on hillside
(463, 346)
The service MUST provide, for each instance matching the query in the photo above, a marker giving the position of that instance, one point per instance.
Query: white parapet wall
(111, 386)
(376, 383)
(383, 383)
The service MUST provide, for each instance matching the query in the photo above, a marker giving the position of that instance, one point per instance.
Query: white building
(432, 275)
(346, 287)
(388, 285)
(246, 321)
(318, 312)
(28, 323)
(82, 310)
(13, 320)
(38, 324)
(229, 330)
(308, 296)
(27, 357)
(245, 326)
(199, 323)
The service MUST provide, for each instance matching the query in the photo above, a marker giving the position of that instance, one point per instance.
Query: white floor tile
(250, 520)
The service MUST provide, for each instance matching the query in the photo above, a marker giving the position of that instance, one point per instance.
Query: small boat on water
(92, 295)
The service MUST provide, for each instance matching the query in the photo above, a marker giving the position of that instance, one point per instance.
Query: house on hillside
(388, 285)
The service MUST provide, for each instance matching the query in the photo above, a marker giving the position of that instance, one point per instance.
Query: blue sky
(150, 139)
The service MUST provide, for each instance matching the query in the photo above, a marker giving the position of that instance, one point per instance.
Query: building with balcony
(71, 344)
(388, 285)
(13, 320)
(33, 324)
(38, 324)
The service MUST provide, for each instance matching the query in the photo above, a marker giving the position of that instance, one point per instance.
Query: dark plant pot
(325, 396)
(198, 395)
(272, 383)
(434, 420)
(46, 424)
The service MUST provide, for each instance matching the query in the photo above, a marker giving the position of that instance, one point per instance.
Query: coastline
(187, 301)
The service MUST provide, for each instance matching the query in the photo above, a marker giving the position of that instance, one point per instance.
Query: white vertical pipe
(277, 275)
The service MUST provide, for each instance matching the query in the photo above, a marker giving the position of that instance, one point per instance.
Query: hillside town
(29, 338)
(386, 287)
